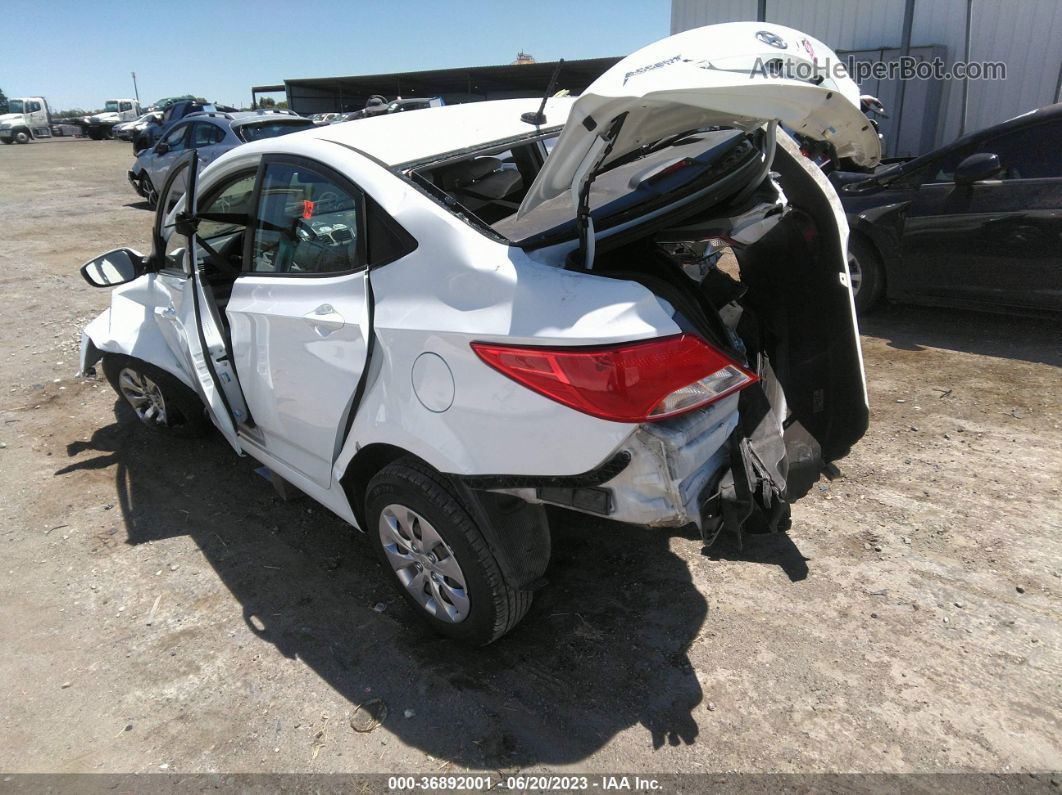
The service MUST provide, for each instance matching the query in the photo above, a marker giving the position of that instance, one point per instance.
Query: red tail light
(630, 382)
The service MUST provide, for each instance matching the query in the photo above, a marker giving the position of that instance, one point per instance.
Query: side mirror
(162, 148)
(113, 268)
(983, 165)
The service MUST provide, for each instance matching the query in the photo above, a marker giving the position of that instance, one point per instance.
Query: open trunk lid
(738, 75)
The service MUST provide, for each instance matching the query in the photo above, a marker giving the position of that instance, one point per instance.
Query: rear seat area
(484, 185)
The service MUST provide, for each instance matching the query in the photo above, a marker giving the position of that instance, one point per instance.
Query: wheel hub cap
(144, 396)
(423, 563)
(855, 273)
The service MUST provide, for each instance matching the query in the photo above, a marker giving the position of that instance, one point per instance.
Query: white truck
(27, 119)
(115, 111)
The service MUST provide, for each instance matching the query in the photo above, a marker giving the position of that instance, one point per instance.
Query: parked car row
(210, 134)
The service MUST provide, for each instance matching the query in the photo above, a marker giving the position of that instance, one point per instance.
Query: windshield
(110, 106)
(15, 106)
(271, 129)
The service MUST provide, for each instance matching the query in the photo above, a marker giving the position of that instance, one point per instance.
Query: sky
(78, 54)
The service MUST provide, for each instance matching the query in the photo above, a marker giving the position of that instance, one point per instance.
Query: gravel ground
(162, 609)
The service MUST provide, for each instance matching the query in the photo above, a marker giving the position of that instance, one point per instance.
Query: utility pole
(135, 91)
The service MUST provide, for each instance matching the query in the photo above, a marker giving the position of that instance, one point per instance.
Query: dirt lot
(161, 608)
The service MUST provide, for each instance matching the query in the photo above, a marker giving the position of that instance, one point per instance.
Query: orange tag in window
(307, 209)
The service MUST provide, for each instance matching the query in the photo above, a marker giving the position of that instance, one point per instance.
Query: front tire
(147, 190)
(159, 400)
(866, 272)
(438, 557)
(22, 137)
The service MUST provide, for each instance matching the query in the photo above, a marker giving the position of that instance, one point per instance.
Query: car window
(227, 212)
(175, 139)
(305, 223)
(33, 107)
(207, 135)
(126, 106)
(176, 245)
(387, 239)
(258, 132)
(1028, 153)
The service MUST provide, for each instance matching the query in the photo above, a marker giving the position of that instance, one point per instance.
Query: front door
(298, 313)
(189, 320)
(997, 243)
(162, 162)
(38, 116)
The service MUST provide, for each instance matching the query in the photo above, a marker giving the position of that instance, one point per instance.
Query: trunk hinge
(583, 222)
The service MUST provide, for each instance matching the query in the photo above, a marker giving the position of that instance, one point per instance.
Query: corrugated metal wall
(1024, 34)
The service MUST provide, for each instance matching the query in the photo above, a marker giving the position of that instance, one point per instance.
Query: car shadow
(773, 549)
(603, 649)
(914, 328)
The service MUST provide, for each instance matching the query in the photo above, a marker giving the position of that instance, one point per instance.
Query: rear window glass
(654, 175)
(271, 129)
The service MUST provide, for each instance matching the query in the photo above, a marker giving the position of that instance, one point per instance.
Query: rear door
(207, 140)
(298, 313)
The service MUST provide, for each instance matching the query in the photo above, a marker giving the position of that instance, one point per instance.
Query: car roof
(406, 138)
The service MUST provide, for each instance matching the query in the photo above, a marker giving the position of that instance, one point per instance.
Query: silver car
(211, 133)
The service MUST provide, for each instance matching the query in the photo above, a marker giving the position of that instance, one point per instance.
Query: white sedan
(437, 323)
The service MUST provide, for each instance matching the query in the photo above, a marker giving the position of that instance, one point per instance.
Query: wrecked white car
(436, 335)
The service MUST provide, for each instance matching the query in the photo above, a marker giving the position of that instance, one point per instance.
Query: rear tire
(159, 400)
(867, 273)
(437, 556)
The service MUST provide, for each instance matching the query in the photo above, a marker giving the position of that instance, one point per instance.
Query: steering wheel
(304, 230)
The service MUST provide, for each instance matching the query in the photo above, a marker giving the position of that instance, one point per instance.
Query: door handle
(324, 318)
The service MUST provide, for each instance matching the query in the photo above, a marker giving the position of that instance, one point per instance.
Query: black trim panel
(595, 477)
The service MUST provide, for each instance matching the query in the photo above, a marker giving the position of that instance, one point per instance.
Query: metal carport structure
(465, 84)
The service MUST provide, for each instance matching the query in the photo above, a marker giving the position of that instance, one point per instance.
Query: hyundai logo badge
(773, 39)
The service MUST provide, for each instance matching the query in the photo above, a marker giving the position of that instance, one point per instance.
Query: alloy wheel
(148, 189)
(855, 272)
(144, 395)
(424, 563)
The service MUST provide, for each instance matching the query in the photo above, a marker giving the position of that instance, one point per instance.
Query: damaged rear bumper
(661, 476)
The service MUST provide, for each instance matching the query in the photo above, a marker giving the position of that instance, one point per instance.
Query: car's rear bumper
(667, 472)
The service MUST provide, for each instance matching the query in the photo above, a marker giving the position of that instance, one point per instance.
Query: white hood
(718, 75)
